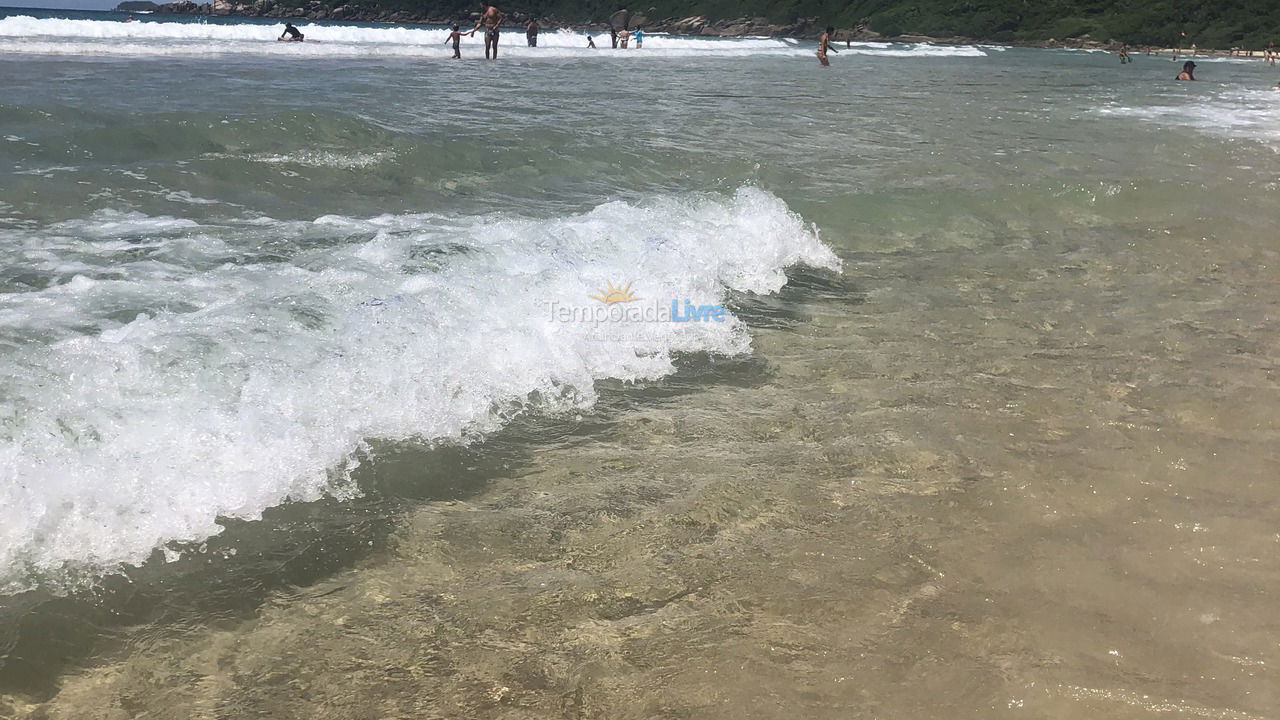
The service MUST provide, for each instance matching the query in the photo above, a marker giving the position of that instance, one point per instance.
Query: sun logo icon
(611, 295)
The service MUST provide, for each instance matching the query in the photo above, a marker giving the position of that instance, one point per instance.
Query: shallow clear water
(294, 422)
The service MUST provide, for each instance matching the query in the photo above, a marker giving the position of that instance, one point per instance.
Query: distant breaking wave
(49, 36)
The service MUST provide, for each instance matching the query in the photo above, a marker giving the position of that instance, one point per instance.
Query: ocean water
(312, 405)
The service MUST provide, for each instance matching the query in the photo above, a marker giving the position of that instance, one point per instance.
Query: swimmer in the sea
(291, 32)
(824, 46)
(591, 44)
(1188, 71)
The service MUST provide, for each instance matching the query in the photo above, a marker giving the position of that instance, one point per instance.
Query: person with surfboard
(490, 19)
(824, 46)
(292, 32)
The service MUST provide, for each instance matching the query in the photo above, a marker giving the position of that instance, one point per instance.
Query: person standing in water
(531, 33)
(490, 20)
(591, 44)
(1124, 55)
(292, 32)
(1188, 71)
(455, 36)
(824, 46)
(639, 38)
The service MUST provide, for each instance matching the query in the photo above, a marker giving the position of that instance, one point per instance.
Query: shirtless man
(490, 19)
(824, 46)
(1188, 71)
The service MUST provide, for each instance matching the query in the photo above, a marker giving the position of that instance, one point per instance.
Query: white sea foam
(315, 158)
(173, 372)
(1235, 112)
(29, 35)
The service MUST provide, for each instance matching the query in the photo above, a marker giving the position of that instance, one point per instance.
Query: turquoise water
(265, 307)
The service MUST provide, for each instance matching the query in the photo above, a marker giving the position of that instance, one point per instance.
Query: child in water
(455, 36)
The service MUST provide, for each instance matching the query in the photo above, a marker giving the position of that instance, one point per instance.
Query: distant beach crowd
(626, 28)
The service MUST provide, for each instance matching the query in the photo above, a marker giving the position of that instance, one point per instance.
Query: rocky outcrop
(809, 27)
(313, 10)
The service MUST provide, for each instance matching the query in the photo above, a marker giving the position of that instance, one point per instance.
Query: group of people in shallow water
(1188, 73)
(1188, 67)
(491, 22)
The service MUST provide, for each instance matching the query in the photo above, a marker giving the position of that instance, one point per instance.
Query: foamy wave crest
(160, 373)
(24, 34)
